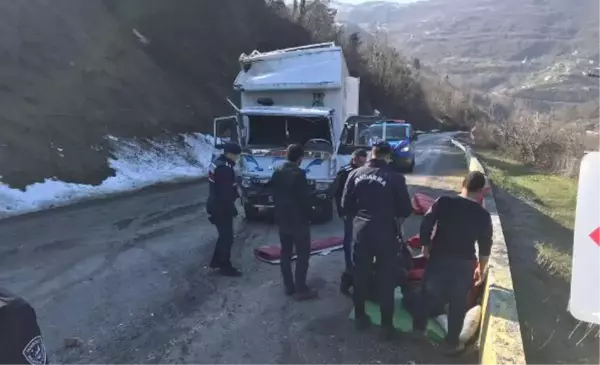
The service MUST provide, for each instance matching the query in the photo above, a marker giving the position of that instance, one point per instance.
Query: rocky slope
(74, 72)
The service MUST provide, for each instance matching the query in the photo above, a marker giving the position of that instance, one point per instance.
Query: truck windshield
(272, 130)
(392, 132)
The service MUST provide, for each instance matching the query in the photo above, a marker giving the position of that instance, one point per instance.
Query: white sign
(584, 303)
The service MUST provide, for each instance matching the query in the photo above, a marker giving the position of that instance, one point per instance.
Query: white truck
(298, 95)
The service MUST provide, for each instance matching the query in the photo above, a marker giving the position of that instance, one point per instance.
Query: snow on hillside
(137, 163)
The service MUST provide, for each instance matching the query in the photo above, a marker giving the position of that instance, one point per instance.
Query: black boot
(346, 283)
(230, 271)
(362, 323)
(289, 291)
(388, 333)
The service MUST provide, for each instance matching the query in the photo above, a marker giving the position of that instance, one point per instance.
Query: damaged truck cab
(300, 95)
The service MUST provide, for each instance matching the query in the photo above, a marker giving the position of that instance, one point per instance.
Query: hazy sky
(364, 1)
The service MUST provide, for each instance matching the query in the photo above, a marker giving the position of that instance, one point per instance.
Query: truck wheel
(251, 212)
(326, 212)
(411, 168)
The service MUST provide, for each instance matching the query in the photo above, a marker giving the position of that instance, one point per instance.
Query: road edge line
(500, 336)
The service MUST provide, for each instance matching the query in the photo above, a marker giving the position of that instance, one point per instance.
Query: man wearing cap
(221, 206)
(20, 337)
(461, 221)
(359, 157)
(377, 197)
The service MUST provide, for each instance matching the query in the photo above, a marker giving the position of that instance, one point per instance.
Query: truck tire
(411, 168)
(250, 212)
(325, 213)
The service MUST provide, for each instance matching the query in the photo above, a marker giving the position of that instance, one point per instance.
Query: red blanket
(272, 254)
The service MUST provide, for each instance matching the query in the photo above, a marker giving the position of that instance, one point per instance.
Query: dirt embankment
(73, 72)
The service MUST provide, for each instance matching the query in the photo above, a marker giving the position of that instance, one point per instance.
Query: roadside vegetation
(537, 210)
(552, 195)
(536, 140)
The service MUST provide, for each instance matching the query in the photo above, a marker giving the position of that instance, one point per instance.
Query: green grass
(554, 196)
(556, 263)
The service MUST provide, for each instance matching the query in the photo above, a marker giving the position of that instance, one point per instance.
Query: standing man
(293, 209)
(221, 206)
(377, 197)
(359, 157)
(461, 221)
(20, 337)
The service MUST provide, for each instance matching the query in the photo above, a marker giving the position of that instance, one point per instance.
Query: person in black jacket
(461, 222)
(221, 206)
(20, 336)
(293, 208)
(359, 157)
(377, 197)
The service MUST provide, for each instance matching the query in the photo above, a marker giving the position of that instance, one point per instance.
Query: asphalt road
(128, 277)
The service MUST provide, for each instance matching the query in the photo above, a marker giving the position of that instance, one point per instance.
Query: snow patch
(138, 164)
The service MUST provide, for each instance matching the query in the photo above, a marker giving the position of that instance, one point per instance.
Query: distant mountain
(535, 51)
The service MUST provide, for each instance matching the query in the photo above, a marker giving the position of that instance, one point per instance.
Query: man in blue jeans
(461, 223)
(359, 157)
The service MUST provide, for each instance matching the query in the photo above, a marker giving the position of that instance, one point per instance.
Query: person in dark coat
(377, 197)
(21, 340)
(221, 206)
(461, 223)
(293, 209)
(359, 157)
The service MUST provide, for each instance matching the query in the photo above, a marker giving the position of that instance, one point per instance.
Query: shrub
(537, 140)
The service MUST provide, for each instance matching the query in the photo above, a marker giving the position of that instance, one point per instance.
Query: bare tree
(302, 11)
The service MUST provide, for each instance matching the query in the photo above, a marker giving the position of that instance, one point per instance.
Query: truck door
(226, 129)
(356, 134)
(413, 138)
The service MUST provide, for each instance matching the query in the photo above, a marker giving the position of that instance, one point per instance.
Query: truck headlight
(405, 149)
(246, 182)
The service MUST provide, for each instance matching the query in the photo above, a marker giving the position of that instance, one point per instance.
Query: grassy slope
(72, 72)
(554, 196)
(538, 212)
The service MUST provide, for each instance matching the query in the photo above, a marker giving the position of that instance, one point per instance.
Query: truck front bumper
(403, 161)
(262, 198)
